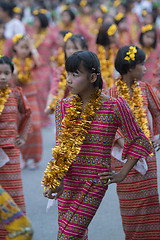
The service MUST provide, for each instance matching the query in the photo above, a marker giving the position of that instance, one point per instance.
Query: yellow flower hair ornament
(116, 3)
(131, 54)
(17, 37)
(103, 8)
(68, 35)
(119, 16)
(111, 30)
(144, 12)
(83, 3)
(147, 28)
(17, 10)
(36, 12)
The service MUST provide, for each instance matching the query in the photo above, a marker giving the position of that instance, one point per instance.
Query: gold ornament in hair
(144, 12)
(17, 10)
(17, 37)
(43, 11)
(83, 3)
(116, 3)
(103, 8)
(119, 16)
(68, 35)
(111, 30)
(131, 54)
(147, 28)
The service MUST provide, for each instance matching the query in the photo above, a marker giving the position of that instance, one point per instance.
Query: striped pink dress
(138, 194)
(83, 190)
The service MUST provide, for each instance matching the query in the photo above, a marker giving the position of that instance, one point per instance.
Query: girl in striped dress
(13, 134)
(138, 193)
(84, 141)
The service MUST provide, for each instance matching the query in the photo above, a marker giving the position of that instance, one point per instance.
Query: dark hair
(153, 14)
(78, 38)
(122, 65)
(7, 7)
(102, 37)
(71, 13)
(63, 32)
(155, 38)
(43, 20)
(7, 60)
(90, 62)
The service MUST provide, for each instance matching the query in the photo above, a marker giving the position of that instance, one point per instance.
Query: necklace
(4, 94)
(39, 37)
(107, 65)
(135, 103)
(1, 45)
(74, 130)
(24, 72)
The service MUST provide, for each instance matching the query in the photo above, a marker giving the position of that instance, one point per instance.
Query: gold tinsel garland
(24, 73)
(74, 130)
(59, 58)
(4, 94)
(107, 65)
(60, 91)
(2, 40)
(39, 37)
(135, 103)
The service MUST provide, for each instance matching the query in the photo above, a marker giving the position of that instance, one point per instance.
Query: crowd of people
(96, 66)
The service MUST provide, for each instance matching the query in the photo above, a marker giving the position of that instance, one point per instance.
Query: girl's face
(122, 26)
(1, 30)
(148, 19)
(78, 82)
(148, 39)
(139, 71)
(72, 48)
(66, 19)
(114, 38)
(5, 75)
(36, 23)
(22, 49)
(60, 40)
(3, 14)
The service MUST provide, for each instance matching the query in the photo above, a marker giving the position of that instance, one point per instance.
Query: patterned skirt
(33, 146)
(11, 181)
(77, 207)
(139, 203)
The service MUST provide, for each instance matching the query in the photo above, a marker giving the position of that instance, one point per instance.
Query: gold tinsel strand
(74, 130)
(24, 73)
(4, 94)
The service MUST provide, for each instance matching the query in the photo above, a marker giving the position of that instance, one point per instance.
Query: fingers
(48, 194)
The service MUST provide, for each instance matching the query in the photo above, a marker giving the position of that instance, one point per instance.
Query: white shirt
(13, 27)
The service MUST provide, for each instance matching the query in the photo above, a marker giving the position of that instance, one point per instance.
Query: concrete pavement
(105, 225)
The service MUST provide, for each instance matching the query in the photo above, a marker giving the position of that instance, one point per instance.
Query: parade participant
(45, 42)
(13, 25)
(73, 43)
(15, 222)
(138, 193)
(26, 59)
(13, 134)
(84, 141)
(107, 47)
(148, 42)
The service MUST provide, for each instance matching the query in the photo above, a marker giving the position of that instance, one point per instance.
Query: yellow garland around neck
(107, 65)
(135, 103)
(147, 51)
(2, 40)
(60, 91)
(24, 72)
(39, 37)
(60, 58)
(4, 94)
(74, 130)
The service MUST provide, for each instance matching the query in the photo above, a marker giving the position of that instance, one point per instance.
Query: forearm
(127, 167)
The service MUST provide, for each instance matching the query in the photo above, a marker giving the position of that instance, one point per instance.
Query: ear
(93, 77)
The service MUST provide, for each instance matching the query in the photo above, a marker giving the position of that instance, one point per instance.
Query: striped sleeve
(136, 144)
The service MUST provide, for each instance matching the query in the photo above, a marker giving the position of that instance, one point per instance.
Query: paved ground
(105, 225)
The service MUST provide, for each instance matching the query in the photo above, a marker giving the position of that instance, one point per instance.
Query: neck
(85, 96)
(7, 19)
(129, 81)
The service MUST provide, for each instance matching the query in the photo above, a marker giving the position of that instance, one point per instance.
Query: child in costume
(26, 59)
(86, 124)
(138, 193)
(13, 134)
